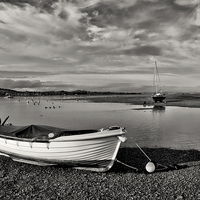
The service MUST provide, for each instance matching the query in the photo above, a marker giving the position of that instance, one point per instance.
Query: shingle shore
(24, 181)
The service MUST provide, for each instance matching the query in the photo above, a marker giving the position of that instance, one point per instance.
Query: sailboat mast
(155, 77)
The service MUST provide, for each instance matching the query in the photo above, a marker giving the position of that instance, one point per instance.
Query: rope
(126, 165)
(143, 152)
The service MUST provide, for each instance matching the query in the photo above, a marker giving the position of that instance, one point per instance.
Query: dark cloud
(163, 13)
(42, 5)
(2, 22)
(63, 15)
(20, 37)
(37, 84)
(22, 74)
(109, 14)
(190, 33)
(9, 83)
(144, 50)
(19, 2)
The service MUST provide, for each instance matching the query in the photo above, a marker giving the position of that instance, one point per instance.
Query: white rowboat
(93, 150)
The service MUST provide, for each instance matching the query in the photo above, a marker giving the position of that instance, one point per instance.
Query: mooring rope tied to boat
(143, 152)
(126, 165)
(132, 166)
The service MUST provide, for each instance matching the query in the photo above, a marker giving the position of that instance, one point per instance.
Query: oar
(5, 121)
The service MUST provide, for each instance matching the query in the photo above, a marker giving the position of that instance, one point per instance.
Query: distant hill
(3, 91)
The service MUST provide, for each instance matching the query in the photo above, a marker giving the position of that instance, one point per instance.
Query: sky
(99, 45)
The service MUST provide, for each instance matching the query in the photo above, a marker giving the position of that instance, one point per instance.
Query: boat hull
(95, 151)
(158, 98)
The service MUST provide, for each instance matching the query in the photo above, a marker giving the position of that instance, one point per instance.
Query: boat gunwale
(79, 137)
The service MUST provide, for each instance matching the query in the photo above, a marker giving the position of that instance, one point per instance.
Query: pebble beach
(24, 181)
(179, 179)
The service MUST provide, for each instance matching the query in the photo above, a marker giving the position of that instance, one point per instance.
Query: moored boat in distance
(9, 97)
(93, 150)
(158, 96)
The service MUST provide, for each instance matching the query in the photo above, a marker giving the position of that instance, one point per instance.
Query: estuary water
(171, 127)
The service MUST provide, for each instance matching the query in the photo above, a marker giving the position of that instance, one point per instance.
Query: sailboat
(158, 96)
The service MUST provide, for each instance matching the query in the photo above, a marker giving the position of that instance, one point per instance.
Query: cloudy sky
(99, 45)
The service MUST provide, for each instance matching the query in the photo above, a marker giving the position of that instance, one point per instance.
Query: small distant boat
(158, 96)
(9, 96)
(93, 150)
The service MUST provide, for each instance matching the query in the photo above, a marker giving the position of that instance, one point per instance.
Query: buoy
(51, 135)
(150, 167)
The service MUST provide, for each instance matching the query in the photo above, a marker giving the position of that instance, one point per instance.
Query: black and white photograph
(99, 99)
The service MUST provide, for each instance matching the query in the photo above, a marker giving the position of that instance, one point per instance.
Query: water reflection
(158, 109)
(150, 126)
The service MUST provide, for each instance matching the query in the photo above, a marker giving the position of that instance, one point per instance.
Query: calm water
(173, 127)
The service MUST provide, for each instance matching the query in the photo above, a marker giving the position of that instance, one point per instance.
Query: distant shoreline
(172, 99)
(181, 100)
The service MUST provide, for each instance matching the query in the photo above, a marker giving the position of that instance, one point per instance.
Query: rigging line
(157, 74)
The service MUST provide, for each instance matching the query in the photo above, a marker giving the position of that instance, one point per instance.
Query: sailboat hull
(159, 98)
